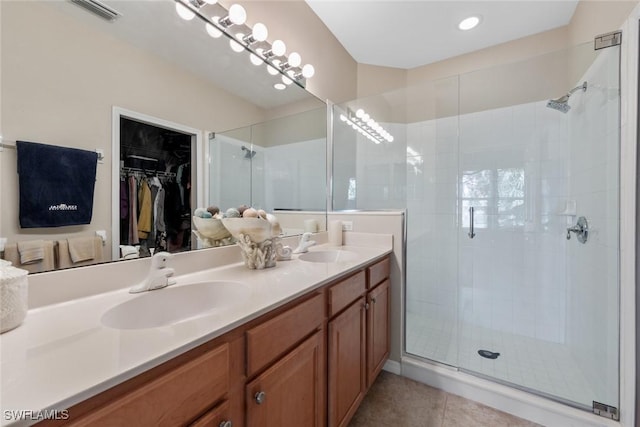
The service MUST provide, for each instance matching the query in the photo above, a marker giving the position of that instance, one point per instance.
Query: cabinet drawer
(217, 417)
(171, 399)
(274, 337)
(345, 292)
(378, 272)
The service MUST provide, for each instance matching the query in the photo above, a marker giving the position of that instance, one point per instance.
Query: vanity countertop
(62, 354)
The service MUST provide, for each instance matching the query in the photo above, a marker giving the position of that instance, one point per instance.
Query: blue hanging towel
(56, 185)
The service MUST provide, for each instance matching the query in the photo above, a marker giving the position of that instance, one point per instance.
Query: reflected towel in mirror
(56, 185)
(81, 247)
(47, 263)
(31, 251)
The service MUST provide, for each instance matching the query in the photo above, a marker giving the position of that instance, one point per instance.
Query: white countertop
(62, 354)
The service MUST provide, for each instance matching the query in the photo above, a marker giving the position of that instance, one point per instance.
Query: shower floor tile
(541, 366)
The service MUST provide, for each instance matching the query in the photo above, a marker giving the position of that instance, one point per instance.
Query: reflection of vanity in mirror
(68, 76)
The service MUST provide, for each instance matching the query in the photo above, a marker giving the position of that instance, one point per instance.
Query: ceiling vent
(100, 9)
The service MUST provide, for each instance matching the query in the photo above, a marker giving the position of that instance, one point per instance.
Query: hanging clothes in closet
(155, 197)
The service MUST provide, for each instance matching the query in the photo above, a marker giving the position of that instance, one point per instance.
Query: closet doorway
(155, 185)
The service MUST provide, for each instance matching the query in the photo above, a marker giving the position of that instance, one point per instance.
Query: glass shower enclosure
(517, 275)
(510, 178)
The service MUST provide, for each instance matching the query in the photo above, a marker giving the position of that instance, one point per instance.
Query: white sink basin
(328, 256)
(171, 305)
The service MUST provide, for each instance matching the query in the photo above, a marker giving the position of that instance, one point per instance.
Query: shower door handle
(471, 233)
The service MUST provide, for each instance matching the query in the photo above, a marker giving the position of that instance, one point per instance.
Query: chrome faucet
(304, 244)
(158, 276)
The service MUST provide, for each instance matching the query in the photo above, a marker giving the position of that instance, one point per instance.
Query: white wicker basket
(13, 297)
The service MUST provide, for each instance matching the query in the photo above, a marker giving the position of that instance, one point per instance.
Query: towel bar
(12, 144)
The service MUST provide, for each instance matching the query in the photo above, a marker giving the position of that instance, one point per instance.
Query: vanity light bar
(364, 124)
(98, 8)
(253, 39)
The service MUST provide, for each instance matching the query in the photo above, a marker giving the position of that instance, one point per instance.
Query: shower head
(249, 153)
(562, 104)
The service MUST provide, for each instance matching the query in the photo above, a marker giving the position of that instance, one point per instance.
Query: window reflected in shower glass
(497, 196)
(351, 191)
(510, 197)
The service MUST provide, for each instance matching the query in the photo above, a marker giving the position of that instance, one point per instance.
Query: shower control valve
(581, 229)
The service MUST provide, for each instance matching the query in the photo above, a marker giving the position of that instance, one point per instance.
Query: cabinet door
(291, 392)
(347, 363)
(378, 338)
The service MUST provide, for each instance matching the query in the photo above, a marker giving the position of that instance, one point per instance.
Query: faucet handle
(159, 259)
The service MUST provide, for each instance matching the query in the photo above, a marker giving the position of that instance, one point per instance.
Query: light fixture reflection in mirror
(184, 12)
(236, 46)
(212, 30)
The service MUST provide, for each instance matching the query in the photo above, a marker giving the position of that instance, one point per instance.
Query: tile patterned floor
(399, 401)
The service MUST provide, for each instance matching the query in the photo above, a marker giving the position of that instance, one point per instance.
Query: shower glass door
(538, 305)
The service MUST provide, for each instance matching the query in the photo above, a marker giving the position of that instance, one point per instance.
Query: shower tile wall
(500, 271)
(272, 179)
(295, 176)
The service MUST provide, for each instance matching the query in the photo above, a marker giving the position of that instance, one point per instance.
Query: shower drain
(488, 354)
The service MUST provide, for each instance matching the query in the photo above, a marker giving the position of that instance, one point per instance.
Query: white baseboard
(506, 399)
(393, 367)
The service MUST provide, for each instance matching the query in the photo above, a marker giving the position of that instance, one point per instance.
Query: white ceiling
(407, 34)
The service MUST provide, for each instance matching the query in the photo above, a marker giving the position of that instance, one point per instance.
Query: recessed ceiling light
(280, 86)
(469, 23)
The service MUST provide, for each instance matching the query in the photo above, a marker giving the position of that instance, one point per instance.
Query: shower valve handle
(581, 229)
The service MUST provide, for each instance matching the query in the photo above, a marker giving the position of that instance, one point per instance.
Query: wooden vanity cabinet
(378, 317)
(286, 361)
(378, 332)
(175, 393)
(358, 338)
(308, 363)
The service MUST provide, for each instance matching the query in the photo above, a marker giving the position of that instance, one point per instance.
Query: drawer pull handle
(226, 423)
(366, 306)
(259, 397)
(373, 300)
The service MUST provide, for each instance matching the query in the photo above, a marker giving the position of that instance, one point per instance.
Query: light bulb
(278, 48)
(255, 59)
(237, 14)
(211, 29)
(308, 71)
(260, 32)
(359, 113)
(184, 12)
(390, 139)
(286, 80)
(294, 59)
(272, 70)
(280, 86)
(365, 117)
(235, 46)
(343, 118)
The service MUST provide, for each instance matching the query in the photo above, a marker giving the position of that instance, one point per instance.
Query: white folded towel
(82, 248)
(31, 251)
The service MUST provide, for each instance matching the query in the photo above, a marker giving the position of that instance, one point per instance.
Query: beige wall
(60, 81)
(592, 18)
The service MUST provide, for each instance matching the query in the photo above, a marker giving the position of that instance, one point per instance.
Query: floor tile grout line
(444, 409)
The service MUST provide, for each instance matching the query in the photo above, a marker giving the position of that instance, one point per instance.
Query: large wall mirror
(72, 79)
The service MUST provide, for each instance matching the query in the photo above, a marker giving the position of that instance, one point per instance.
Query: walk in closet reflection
(155, 189)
